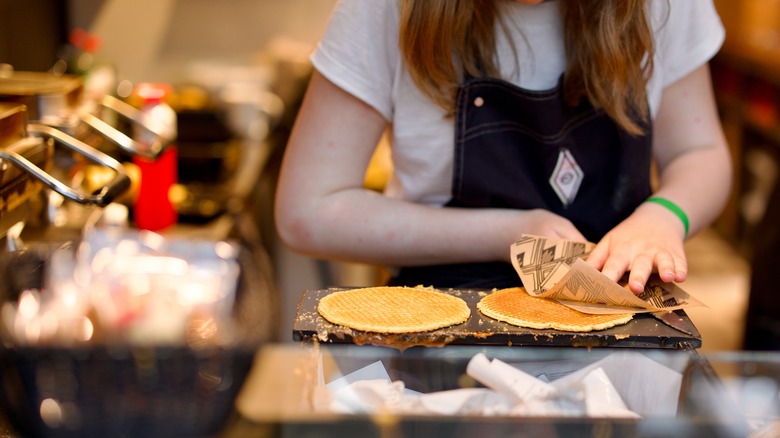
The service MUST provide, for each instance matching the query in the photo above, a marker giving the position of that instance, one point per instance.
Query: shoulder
(359, 50)
(362, 12)
(687, 35)
(362, 27)
(685, 22)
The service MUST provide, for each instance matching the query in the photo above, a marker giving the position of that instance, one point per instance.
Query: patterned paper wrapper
(556, 269)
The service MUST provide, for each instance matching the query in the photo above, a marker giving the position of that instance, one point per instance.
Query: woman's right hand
(537, 222)
(545, 223)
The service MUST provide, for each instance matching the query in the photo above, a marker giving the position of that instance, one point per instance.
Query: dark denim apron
(509, 143)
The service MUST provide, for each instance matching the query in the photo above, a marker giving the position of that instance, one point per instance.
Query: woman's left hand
(694, 167)
(649, 241)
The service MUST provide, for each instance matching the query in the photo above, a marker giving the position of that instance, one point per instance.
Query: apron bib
(522, 149)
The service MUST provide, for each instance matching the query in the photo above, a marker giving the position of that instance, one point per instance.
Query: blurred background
(247, 62)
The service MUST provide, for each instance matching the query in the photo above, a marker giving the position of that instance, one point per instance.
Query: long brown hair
(609, 51)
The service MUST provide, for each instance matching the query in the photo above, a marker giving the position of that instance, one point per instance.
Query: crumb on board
(322, 335)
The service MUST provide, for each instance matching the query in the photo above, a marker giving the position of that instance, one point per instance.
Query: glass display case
(291, 392)
(307, 389)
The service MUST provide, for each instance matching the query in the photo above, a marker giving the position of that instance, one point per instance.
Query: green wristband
(674, 208)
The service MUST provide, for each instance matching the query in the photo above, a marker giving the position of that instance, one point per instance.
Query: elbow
(294, 230)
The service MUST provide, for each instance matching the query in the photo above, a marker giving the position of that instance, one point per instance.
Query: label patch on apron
(566, 177)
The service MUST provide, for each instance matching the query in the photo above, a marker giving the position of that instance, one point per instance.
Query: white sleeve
(359, 51)
(689, 33)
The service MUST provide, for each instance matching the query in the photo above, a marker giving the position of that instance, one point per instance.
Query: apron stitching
(457, 166)
(489, 128)
(511, 88)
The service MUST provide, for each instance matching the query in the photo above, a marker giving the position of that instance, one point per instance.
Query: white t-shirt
(359, 53)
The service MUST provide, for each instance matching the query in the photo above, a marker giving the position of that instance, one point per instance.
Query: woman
(508, 118)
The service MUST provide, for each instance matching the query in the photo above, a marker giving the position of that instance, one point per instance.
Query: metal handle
(101, 197)
(152, 150)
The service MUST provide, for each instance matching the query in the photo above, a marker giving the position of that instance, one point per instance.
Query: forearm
(699, 182)
(691, 151)
(360, 225)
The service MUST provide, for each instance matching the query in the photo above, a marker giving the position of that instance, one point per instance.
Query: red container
(153, 209)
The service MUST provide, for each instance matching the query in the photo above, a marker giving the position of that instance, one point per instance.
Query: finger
(614, 269)
(641, 268)
(681, 269)
(666, 267)
(598, 256)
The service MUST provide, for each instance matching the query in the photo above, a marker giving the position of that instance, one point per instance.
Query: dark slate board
(644, 331)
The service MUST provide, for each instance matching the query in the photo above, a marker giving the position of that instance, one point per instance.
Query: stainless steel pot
(26, 151)
(57, 101)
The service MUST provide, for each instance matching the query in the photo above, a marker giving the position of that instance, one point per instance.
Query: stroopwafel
(515, 306)
(390, 309)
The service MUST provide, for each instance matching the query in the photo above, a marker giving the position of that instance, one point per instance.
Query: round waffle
(515, 306)
(390, 309)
